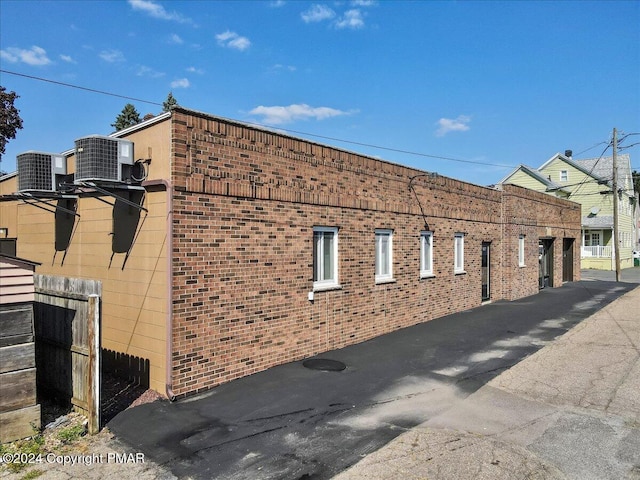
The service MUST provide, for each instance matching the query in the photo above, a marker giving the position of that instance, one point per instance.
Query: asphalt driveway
(291, 422)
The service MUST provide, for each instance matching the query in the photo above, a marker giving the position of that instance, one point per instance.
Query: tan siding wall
(9, 210)
(154, 143)
(134, 289)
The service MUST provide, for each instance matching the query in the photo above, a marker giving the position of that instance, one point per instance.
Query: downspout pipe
(169, 293)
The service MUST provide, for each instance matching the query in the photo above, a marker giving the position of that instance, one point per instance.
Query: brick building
(251, 248)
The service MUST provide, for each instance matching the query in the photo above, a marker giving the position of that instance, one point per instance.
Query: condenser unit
(103, 159)
(40, 171)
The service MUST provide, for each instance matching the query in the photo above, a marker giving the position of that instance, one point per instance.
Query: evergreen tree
(10, 121)
(127, 118)
(636, 181)
(169, 103)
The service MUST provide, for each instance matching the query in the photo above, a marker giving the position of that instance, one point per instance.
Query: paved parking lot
(290, 422)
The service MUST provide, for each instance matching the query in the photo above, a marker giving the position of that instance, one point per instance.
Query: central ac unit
(40, 171)
(103, 159)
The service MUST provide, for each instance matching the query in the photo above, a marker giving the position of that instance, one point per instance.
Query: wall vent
(40, 171)
(103, 159)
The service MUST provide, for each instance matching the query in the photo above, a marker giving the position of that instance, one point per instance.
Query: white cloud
(35, 56)
(144, 71)
(363, 3)
(277, 3)
(67, 58)
(112, 56)
(447, 125)
(156, 10)
(279, 67)
(317, 13)
(351, 19)
(199, 71)
(174, 38)
(180, 83)
(233, 40)
(278, 115)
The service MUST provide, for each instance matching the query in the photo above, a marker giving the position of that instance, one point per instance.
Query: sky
(466, 89)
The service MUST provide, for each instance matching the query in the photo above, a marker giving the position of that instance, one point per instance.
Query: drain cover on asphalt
(324, 364)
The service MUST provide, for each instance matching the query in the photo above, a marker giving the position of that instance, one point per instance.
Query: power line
(79, 87)
(591, 148)
(592, 168)
(362, 144)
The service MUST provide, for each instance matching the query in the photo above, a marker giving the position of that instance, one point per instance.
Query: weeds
(71, 434)
(29, 448)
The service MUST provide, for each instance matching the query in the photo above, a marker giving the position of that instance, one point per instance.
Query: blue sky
(493, 84)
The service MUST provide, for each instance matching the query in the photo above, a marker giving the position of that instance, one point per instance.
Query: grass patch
(30, 448)
(32, 474)
(71, 434)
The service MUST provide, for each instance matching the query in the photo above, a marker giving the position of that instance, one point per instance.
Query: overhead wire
(334, 139)
(592, 168)
(93, 90)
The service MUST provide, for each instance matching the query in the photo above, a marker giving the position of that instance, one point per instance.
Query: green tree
(127, 118)
(169, 103)
(636, 180)
(10, 121)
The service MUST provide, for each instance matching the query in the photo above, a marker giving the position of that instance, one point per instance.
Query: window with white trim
(564, 175)
(458, 254)
(426, 254)
(325, 257)
(384, 255)
(521, 251)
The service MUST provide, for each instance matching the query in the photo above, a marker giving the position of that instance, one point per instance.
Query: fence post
(93, 395)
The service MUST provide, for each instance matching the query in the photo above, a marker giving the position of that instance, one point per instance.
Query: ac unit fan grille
(97, 158)
(34, 172)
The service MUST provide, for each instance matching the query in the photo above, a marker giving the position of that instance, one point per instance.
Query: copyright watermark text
(68, 459)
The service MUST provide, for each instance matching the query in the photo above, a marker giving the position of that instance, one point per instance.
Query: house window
(521, 251)
(564, 175)
(325, 257)
(592, 239)
(384, 255)
(426, 254)
(458, 262)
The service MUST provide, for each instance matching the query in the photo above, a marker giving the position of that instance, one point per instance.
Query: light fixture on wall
(4, 231)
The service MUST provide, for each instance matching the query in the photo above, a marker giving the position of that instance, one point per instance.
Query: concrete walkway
(545, 387)
(627, 275)
(570, 410)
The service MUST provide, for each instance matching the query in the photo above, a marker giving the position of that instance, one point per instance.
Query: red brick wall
(537, 215)
(245, 206)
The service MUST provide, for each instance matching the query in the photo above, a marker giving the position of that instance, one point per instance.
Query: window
(458, 262)
(426, 254)
(564, 175)
(384, 255)
(325, 257)
(521, 251)
(592, 239)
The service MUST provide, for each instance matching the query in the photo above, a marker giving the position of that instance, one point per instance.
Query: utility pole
(616, 233)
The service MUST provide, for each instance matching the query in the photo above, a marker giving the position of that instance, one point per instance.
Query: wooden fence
(19, 410)
(67, 328)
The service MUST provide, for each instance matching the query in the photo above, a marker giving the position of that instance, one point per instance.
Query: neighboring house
(589, 183)
(225, 249)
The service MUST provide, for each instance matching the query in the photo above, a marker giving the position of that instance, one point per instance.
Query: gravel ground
(63, 451)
